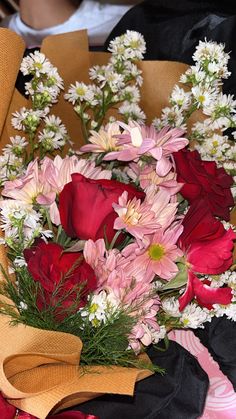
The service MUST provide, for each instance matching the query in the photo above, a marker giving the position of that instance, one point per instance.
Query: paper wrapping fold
(40, 372)
(11, 52)
(69, 52)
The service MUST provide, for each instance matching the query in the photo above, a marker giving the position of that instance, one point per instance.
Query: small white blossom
(180, 97)
(131, 70)
(131, 94)
(50, 140)
(222, 106)
(130, 46)
(23, 306)
(20, 261)
(10, 166)
(35, 63)
(80, 92)
(100, 308)
(194, 316)
(219, 310)
(15, 213)
(17, 146)
(231, 312)
(203, 96)
(173, 117)
(171, 306)
(132, 111)
(213, 58)
(27, 118)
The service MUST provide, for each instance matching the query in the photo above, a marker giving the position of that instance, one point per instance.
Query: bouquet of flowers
(128, 237)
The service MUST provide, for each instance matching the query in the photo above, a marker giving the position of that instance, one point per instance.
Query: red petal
(188, 295)
(208, 296)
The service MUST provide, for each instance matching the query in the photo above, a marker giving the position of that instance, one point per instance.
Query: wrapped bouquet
(111, 245)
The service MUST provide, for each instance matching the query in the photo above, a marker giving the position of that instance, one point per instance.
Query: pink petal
(163, 166)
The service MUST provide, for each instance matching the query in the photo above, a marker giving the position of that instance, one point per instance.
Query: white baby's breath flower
(131, 94)
(19, 117)
(46, 94)
(27, 118)
(15, 213)
(229, 278)
(203, 96)
(54, 79)
(130, 46)
(132, 112)
(222, 106)
(80, 92)
(214, 147)
(100, 308)
(231, 312)
(173, 117)
(194, 75)
(23, 306)
(180, 97)
(131, 70)
(20, 261)
(10, 166)
(115, 81)
(158, 335)
(171, 306)
(219, 310)
(50, 140)
(97, 72)
(35, 63)
(194, 316)
(54, 123)
(213, 58)
(17, 145)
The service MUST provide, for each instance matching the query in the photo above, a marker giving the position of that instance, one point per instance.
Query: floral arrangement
(128, 237)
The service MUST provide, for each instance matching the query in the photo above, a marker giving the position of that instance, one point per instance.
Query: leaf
(77, 247)
(179, 280)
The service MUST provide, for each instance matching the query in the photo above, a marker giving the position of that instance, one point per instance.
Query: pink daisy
(143, 140)
(158, 255)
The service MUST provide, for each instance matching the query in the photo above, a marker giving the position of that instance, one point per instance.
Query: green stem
(112, 244)
(49, 222)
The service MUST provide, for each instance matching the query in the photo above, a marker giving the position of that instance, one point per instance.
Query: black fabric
(172, 29)
(180, 393)
(219, 337)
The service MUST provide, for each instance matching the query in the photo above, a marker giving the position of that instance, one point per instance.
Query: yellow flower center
(156, 251)
(201, 98)
(80, 91)
(134, 44)
(93, 308)
(131, 217)
(38, 65)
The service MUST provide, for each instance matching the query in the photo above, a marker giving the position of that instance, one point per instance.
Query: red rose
(7, 411)
(206, 243)
(202, 179)
(85, 206)
(55, 269)
(208, 249)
